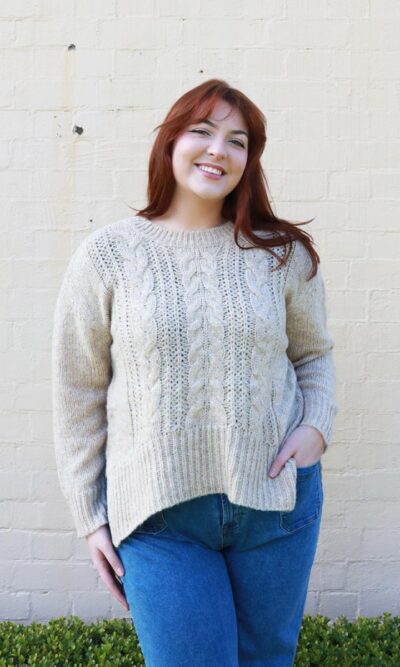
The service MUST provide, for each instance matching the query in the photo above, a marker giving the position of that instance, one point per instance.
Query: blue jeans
(213, 584)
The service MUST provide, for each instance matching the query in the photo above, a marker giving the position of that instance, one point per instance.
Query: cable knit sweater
(180, 364)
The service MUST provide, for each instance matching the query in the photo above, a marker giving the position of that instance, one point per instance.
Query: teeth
(210, 169)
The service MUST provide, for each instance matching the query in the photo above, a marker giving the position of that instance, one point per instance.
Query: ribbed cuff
(320, 414)
(89, 509)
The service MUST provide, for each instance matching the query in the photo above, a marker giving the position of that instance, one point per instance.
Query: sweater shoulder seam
(290, 262)
(91, 250)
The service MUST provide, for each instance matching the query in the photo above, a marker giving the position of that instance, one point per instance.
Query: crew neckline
(187, 237)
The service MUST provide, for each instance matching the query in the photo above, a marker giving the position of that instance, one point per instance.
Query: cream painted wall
(326, 75)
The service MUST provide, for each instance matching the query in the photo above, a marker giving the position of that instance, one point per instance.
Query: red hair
(247, 206)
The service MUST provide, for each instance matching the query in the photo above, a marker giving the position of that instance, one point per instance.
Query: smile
(210, 172)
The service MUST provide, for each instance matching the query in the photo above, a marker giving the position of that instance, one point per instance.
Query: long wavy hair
(247, 206)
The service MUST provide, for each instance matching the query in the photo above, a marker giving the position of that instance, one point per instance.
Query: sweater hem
(241, 475)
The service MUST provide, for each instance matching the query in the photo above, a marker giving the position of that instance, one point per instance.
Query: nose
(216, 148)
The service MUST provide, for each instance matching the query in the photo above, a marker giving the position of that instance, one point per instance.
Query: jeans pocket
(153, 525)
(306, 469)
(309, 499)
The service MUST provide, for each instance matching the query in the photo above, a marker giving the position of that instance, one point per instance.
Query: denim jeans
(213, 584)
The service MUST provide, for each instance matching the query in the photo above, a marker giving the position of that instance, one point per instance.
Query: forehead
(225, 115)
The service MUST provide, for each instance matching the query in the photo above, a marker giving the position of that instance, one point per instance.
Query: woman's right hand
(106, 561)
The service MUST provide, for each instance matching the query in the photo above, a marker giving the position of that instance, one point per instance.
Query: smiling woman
(185, 365)
(207, 166)
(216, 125)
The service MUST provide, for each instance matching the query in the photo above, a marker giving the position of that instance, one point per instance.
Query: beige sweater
(180, 364)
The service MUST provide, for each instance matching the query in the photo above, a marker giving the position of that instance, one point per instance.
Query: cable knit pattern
(180, 365)
(257, 278)
(137, 266)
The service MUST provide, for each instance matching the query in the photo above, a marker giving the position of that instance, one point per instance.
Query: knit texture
(180, 364)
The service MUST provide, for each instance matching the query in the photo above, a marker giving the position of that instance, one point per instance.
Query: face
(221, 140)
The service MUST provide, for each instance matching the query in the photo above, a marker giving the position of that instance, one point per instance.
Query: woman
(194, 395)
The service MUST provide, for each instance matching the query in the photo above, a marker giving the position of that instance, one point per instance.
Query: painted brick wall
(326, 74)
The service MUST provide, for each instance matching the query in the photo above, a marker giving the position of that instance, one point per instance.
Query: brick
(380, 544)
(312, 9)
(374, 603)
(380, 513)
(49, 576)
(328, 576)
(347, 305)
(84, 9)
(97, 605)
(334, 604)
(34, 458)
(343, 486)
(367, 575)
(216, 35)
(381, 336)
(139, 32)
(15, 487)
(54, 546)
(362, 394)
(381, 485)
(386, 9)
(312, 33)
(356, 9)
(44, 485)
(7, 33)
(14, 607)
(316, 62)
(337, 544)
(384, 305)
(26, 515)
(50, 604)
(55, 515)
(377, 456)
(15, 544)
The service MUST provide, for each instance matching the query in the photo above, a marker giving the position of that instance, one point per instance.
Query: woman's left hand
(306, 444)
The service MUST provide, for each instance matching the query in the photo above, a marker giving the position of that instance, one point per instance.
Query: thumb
(278, 464)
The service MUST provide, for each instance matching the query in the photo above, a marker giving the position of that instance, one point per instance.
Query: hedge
(364, 642)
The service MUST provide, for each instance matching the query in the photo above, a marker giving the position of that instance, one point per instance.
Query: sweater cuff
(89, 509)
(321, 415)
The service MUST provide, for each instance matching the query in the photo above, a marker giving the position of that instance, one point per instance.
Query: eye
(205, 131)
(234, 141)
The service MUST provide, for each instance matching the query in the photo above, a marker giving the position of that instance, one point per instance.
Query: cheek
(240, 167)
(185, 147)
(184, 155)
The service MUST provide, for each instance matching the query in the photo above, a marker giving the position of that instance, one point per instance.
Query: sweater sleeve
(81, 373)
(309, 343)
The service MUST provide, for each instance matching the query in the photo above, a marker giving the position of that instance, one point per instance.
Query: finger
(107, 556)
(114, 561)
(275, 469)
(278, 464)
(113, 585)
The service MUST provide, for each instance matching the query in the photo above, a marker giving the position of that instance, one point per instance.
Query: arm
(81, 373)
(310, 344)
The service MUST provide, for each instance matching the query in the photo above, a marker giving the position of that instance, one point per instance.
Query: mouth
(210, 171)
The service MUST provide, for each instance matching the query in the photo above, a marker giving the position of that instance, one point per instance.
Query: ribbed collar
(193, 238)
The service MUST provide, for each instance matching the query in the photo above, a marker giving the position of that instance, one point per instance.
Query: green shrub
(365, 642)
(69, 641)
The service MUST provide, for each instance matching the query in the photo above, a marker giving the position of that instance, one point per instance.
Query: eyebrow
(209, 122)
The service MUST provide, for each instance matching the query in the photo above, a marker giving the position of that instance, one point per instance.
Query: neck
(193, 214)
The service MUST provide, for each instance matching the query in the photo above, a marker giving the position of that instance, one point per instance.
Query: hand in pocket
(305, 444)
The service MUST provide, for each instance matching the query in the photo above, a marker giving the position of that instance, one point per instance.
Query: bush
(365, 642)
(69, 641)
